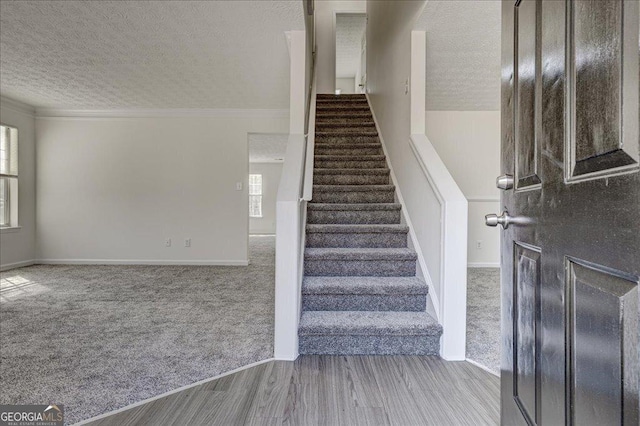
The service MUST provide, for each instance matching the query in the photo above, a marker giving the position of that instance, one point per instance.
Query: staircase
(360, 293)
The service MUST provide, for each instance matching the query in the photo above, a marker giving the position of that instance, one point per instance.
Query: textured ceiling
(349, 32)
(267, 147)
(147, 54)
(463, 54)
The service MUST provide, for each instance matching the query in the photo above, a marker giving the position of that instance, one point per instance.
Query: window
(255, 195)
(8, 176)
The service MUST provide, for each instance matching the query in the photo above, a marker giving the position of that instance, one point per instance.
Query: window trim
(258, 196)
(11, 202)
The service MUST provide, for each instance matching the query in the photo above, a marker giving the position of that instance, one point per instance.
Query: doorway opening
(351, 56)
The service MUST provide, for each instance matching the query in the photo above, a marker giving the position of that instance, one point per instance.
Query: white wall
(347, 85)
(388, 66)
(17, 246)
(113, 189)
(325, 39)
(468, 142)
(270, 179)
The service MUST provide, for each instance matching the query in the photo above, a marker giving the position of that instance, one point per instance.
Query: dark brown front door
(571, 251)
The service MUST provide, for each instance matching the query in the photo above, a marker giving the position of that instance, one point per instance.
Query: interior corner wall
(468, 142)
(270, 179)
(112, 190)
(346, 85)
(17, 247)
(325, 39)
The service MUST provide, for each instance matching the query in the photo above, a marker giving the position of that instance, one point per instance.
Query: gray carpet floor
(483, 317)
(97, 338)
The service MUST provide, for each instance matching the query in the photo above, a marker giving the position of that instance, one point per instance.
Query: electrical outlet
(187, 242)
(167, 242)
(479, 245)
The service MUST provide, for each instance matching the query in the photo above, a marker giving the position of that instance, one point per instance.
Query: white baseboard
(483, 265)
(142, 262)
(180, 389)
(433, 301)
(15, 265)
(477, 364)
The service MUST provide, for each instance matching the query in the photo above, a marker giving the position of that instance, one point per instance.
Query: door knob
(504, 182)
(494, 220)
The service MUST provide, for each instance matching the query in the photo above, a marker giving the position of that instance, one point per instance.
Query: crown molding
(57, 113)
(17, 106)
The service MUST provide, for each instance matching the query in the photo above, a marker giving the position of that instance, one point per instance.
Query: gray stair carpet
(360, 293)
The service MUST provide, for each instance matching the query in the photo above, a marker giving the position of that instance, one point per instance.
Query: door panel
(596, 64)
(602, 331)
(526, 21)
(570, 272)
(526, 330)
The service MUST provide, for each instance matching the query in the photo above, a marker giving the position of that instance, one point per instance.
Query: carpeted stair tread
(349, 157)
(357, 229)
(364, 254)
(364, 285)
(357, 323)
(348, 130)
(354, 206)
(341, 96)
(322, 115)
(341, 213)
(378, 171)
(346, 138)
(343, 133)
(329, 125)
(348, 146)
(331, 102)
(350, 164)
(354, 188)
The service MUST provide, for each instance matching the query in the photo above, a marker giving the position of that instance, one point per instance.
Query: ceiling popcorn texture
(156, 54)
(349, 32)
(463, 54)
(267, 147)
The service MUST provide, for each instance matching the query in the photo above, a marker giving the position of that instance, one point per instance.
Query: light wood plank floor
(332, 391)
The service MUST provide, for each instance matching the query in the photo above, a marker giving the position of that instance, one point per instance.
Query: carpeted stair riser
(354, 149)
(334, 162)
(349, 100)
(354, 197)
(334, 139)
(364, 294)
(356, 240)
(367, 345)
(360, 268)
(338, 117)
(353, 216)
(342, 120)
(333, 96)
(367, 302)
(351, 97)
(342, 109)
(331, 126)
(358, 333)
(342, 128)
(357, 236)
(349, 179)
(345, 107)
(367, 149)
